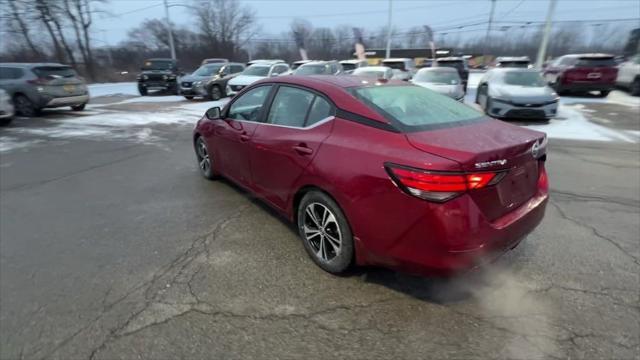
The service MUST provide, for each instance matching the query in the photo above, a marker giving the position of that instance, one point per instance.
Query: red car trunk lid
(489, 145)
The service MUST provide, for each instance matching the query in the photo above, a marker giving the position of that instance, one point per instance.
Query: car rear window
(516, 64)
(348, 66)
(398, 65)
(596, 62)
(414, 108)
(313, 70)
(62, 71)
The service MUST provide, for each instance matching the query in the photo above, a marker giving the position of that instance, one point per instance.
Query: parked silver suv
(34, 86)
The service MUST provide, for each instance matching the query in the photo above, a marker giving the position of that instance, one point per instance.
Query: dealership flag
(429, 35)
(299, 37)
(359, 44)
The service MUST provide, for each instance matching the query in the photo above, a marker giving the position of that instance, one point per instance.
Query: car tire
(634, 89)
(78, 107)
(603, 93)
(25, 107)
(203, 156)
(143, 91)
(188, 97)
(215, 93)
(325, 232)
(174, 90)
(487, 106)
(6, 121)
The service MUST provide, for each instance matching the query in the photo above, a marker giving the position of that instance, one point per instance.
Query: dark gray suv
(34, 86)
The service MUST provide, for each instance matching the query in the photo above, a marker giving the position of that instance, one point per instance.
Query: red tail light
(440, 186)
(543, 179)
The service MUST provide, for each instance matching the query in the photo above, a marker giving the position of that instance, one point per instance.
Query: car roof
(302, 61)
(374, 68)
(512, 58)
(30, 65)
(318, 62)
(438, 69)
(397, 59)
(451, 58)
(351, 61)
(590, 55)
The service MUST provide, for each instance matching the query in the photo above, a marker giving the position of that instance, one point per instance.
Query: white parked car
(297, 64)
(378, 72)
(319, 68)
(516, 93)
(403, 68)
(254, 73)
(629, 75)
(348, 66)
(445, 81)
(6, 108)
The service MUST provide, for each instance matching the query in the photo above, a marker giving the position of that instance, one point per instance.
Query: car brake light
(440, 186)
(543, 179)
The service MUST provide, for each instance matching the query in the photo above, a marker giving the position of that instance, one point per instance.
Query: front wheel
(604, 93)
(5, 121)
(78, 107)
(188, 97)
(215, 93)
(205, 162)
(325, 232)
(142, 90)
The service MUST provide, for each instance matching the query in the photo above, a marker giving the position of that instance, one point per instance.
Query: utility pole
(173, 49)
(486, 37)
(542, 51)
(388, 53)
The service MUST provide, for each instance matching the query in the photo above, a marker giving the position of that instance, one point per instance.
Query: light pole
(486, 37)
(545, 36)
(173, 49)
(388, 53)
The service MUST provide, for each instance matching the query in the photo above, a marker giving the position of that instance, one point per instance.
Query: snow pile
(124, 88)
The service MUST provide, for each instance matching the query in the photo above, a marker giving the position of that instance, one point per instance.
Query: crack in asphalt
(571, 196)
(595, 232)
(615, 300)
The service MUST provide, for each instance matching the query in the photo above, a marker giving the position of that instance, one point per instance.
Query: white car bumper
(502, 109)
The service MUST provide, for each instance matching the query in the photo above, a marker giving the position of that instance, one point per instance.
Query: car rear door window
(9, 73)
(56, 71)
(249, 105)
(290, 107)
(321, 109)
(236, 69)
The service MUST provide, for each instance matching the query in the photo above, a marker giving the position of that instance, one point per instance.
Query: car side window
(279, 69)
(249, 105)
(290, 107)
(9, 73)
(320, 109)
(236, 69)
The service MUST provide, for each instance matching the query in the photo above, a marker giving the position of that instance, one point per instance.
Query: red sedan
(374, 173)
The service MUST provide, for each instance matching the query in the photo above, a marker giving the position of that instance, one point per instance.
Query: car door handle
(244, 137)
(303, 149)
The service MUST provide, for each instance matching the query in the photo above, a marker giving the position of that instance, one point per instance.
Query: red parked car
(374, 173)
(582, 73)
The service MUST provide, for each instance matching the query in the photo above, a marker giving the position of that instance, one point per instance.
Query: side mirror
(274, 74)
(213, 113)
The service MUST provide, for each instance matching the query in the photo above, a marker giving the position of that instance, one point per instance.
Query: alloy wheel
(322, 232)
(203, 156)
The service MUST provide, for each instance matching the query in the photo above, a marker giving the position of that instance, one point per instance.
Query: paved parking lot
(113, 246)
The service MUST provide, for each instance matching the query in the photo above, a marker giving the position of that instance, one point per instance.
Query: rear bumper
(455, 238)
(68, 101)
(586, 86)
(197, 90)
(501, 109)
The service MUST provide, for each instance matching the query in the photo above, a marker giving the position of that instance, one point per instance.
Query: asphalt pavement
(116, 248)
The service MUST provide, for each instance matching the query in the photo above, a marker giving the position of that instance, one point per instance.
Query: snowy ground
(118, 111)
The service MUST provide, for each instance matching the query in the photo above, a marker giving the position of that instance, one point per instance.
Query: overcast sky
(274, 16)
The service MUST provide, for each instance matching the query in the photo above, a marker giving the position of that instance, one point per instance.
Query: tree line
(64, 31)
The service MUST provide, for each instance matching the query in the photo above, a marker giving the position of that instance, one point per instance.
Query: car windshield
(379, 74)
(595, 62)
(254, 70)
(55, 71)
(348, 66)
(158, 65)
(208, 70)
(531, 79)
(313, 70)
(438, 77)
(416, 108)
(398, 65)
(295, 66)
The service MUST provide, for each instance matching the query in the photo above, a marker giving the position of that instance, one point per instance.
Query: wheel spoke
(310, 233)
(335, 243)
(322, 252)
(310, 212)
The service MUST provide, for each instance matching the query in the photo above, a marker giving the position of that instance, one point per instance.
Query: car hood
(163, 72)
(245, 79)
(522, 93)
(454, 91)
(193, 78)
